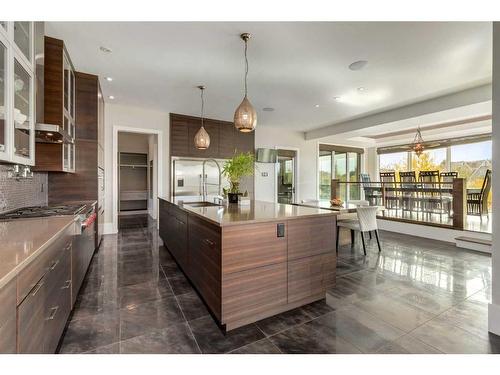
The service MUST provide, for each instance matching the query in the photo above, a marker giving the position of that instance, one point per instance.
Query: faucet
(205, 183)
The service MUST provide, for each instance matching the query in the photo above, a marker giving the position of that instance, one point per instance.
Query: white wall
(270, 137)
(134, 117)
(132, 142)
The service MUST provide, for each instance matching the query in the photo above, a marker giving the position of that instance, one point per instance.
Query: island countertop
(256, 212)
(22, 240)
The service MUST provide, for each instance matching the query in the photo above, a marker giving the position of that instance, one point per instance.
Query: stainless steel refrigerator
(187, 178)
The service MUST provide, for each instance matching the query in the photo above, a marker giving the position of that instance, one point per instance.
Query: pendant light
(201, 138)
(245, 117)
(418, 143)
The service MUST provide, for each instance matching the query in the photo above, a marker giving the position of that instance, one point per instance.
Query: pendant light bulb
(201, 138)
(245, 116)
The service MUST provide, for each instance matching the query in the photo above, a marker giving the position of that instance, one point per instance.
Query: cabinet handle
(53, 313)
(68, 246)
(67, 285)
(37, 288)
(209, 242)
(54, 265)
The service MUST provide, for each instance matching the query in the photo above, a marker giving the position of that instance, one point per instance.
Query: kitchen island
(251, 262)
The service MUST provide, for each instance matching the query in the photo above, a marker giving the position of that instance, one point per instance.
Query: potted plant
(234, 169)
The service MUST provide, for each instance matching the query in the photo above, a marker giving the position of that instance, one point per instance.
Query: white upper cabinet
(17, 93)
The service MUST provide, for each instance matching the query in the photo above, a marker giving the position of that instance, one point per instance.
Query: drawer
(310, 276)
(178, 213)
(8, 336)
(31, 320)
(7, 302)
(253, 245)
(56, 315)
(30, 276)
(311, 236)
(251, 292)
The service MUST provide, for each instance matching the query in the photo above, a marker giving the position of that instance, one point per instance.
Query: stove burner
(42, 211)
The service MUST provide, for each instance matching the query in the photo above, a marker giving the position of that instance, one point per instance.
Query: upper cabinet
(225, 139)
(56, 129)
(17, 93)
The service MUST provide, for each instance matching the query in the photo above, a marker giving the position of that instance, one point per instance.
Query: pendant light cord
(246, 67)
(202, 106)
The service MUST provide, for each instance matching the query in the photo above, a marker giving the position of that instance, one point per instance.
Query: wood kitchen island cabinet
(249, 263)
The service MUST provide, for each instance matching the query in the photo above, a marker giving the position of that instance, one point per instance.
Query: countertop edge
(244, 222)
(26, 262)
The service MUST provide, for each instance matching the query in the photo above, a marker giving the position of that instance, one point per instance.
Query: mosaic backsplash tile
(16, 194)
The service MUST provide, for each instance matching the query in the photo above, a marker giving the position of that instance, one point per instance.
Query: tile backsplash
(16, 194)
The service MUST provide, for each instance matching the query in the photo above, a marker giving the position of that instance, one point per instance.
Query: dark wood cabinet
(44, 309)
(173, 232)
(225, 140)
(8, 318)
(58, 109)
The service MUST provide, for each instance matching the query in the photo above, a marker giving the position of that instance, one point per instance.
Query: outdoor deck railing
(431, 203)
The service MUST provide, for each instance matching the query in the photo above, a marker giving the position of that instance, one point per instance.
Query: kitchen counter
(22, 240)
(256, 212)
(251, 262)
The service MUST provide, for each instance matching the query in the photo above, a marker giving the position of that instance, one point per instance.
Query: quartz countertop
(22, 240)
(256, 212)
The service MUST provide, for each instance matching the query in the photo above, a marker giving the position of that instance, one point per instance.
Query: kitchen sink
(202, 204)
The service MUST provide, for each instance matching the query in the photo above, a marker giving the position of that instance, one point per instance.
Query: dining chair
(366, 222)
(388, 180)
(409, 201)
(447, 183)
(477, 199)
(374, 196)
(430, 201)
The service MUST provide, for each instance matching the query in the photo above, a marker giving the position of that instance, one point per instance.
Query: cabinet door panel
(311, 236)
(254, 291)
(311, 276)
(31, 320)
(178, 137)
(227, 134)
(252, 245)
(8, 318)
(244, 142)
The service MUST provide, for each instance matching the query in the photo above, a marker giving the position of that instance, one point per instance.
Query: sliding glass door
(339, 165)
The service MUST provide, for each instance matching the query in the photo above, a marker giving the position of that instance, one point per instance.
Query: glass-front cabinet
(17, 93)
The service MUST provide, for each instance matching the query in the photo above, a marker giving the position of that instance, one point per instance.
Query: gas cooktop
(41, 211)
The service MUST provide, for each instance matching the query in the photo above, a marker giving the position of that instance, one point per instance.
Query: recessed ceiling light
(361, 89)
(50, 134)
(317, 105)
(336, 98)
(109, 79)
(358, 65)
(105, 49)
(268, 109)
(111, 97)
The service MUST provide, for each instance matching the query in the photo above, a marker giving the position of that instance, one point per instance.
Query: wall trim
(494, 318)
(108, 228)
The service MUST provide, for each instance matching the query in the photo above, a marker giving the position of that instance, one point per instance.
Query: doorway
(137, 166)
(286, 176)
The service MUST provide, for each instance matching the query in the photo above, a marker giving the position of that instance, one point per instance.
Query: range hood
(47, 133)
(44, 133)
(266, 155)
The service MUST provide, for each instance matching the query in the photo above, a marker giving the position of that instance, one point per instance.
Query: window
(340, 163)
(325, 174)
(471, 162)
(429, 160)
(397, 162)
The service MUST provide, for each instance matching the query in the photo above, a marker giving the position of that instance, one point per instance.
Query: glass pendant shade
(201, 139)
(245, 117)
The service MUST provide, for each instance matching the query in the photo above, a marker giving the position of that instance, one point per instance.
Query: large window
(429, 160)
(342, 164)
(470, 160)
(397, 162)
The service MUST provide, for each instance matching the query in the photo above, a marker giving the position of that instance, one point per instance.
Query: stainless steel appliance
(190, 182)
(100, 205)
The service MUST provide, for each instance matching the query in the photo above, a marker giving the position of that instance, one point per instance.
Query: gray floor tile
(264, 346)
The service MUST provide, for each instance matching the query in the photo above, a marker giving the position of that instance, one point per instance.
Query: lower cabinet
(252, 292)
(310, 276)
(8, 318)
(173, 232)
(42, 315)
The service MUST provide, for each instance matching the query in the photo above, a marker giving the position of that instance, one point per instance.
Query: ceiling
(294, 66)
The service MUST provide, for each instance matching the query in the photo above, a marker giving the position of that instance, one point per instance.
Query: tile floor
(417, 296)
